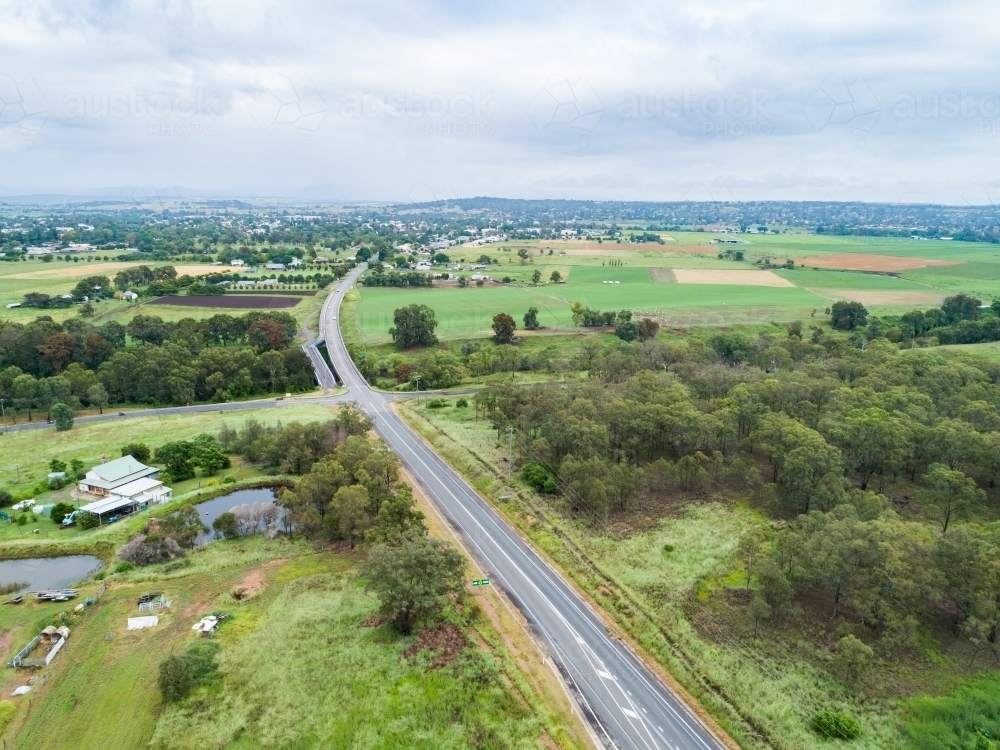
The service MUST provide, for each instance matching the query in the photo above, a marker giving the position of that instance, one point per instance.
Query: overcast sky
(766, 99)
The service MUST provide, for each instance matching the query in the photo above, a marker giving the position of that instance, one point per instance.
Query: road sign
(480, 581)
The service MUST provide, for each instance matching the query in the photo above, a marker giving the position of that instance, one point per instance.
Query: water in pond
(212, 509)
(49, 572)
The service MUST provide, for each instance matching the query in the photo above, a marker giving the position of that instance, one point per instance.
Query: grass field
(29, 452)
(298, 668)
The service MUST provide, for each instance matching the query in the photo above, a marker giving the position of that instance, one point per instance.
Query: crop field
(230, 301)
(685, 282)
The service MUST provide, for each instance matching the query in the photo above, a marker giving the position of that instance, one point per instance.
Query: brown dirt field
(736, 278)
(82, 270)
(663, 275)
(863, 262)
(872, 298)
(237, 301)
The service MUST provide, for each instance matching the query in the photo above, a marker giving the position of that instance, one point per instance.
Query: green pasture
(27, 454)
(468, 313)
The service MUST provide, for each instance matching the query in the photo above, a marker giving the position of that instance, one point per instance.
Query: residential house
(104, 479)
(274, 267)
(267, 282)
(237, 262)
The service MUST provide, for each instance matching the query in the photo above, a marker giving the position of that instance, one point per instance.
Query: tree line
(149, 360)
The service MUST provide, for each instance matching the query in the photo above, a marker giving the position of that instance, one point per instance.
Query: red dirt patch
(239, 301)
(863, 262)
(375, 621)
(447, 640)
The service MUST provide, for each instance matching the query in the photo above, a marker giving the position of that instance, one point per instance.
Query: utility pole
(417, 379)
(510, 451)
(4, 412)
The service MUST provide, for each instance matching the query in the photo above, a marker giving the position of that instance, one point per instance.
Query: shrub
(437, 403)
(462, 403)
(22, 519)
(60, 511)
(124, 567)
(228, 479)
(87, 521)
(538, 476)
(181, 673)
(836, 726)
(226, 526)
(5, 498)
(139, 451)
(211, 482)
(62, 415)
(145, 550)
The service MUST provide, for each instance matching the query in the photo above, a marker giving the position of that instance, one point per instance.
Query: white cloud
(768, 99)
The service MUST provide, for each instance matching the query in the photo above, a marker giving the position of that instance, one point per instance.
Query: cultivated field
(686, 282)
(733, 278)
(234, 301)
(862, 262)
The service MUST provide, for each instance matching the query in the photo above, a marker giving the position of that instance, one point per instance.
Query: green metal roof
(119, 472)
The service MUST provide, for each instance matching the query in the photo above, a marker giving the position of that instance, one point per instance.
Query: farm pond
(209, 510)
(39, 573)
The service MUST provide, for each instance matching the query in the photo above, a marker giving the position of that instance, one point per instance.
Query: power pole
(4, 412)
(510, 451)
(417, 379)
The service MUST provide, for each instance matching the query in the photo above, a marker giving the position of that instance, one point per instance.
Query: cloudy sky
(765, 99)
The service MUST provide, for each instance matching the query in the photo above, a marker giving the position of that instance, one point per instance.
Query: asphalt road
(626, 704)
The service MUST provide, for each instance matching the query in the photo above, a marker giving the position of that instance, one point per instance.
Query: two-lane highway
(628, 706)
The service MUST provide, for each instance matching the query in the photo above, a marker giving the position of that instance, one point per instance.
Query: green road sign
(480, 581)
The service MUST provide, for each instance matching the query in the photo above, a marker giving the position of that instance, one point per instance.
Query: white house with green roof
(108, 477)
